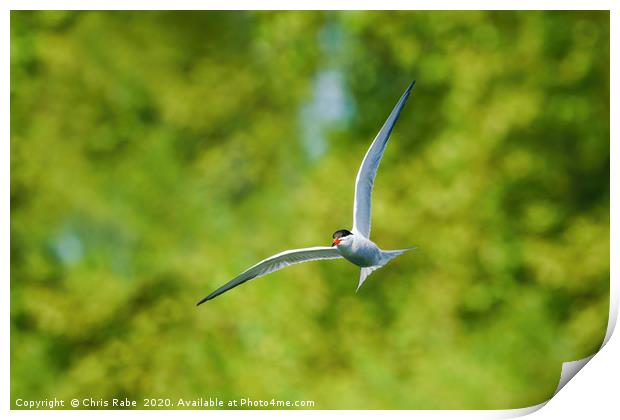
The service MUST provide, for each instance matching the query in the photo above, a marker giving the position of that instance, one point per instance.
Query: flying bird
(354, 245)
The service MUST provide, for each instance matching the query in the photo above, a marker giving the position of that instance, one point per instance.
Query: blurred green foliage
(155, 155)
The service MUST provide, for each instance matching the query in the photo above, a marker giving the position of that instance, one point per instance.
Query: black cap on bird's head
(340, 234)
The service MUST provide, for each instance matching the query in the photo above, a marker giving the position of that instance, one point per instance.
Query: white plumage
(354, 246)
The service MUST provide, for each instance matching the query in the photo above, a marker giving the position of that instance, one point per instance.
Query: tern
(353, 245)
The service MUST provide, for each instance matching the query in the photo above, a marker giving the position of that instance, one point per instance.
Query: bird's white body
(355, 246)
(364, 253)
(360, 251)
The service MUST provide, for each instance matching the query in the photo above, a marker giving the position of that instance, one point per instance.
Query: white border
(314, 5)
(600, 377)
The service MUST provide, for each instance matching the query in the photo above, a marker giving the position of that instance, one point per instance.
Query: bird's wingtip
(203, 300)
(408, 91)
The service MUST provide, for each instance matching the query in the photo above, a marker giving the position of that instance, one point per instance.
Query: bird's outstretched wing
(366, 175)
(276, 262)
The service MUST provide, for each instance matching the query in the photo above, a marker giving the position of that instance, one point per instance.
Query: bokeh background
(155, 155)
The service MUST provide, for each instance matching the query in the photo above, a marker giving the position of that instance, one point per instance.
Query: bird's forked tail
(386, 256)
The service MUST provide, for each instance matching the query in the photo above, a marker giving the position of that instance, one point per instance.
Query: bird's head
(342, 237)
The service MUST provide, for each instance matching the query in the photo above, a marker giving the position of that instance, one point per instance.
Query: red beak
(335, 242)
